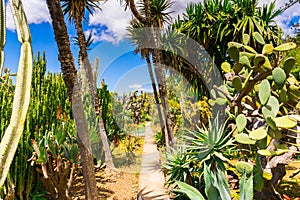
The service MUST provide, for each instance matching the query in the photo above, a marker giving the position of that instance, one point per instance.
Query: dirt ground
(111, 185)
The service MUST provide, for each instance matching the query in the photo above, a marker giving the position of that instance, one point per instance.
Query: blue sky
(121, 70)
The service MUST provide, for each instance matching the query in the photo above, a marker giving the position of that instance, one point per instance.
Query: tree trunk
(161, 79)
(161, 120)
(70, 77)
(92, 88)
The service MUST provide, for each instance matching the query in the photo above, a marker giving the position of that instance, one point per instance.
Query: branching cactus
(262, 96)
(10, 140)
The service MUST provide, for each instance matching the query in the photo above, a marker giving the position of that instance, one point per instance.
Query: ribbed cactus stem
(9, 142)
(11, 138)
(2, 34)
(96, 63)
(20, 20)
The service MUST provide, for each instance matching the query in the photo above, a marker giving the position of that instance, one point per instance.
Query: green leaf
(289, 64)
(264, 92)
(276, 134)
(264, 152)
(238, 45)
(244, 139)
(246, 39)
(241, 122)
(267, 175)
(237, 67)
(259, 60)
(244, 60)
(226, 67)
(258, 37)
(248, 48)
(267, 49)
(258, 134)
(237, 83)
(246, 187)
(267, 64)
(270, 121)
(190, 191)
(258, 182)
(242, 167)
(271, 108)
(279, 77)
(285, 122)
(221, 101)
(234, 53)
(286, 46)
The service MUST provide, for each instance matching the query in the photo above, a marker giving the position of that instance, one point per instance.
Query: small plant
(158, 137)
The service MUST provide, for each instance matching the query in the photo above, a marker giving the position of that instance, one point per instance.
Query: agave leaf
(246, 187)
(190, 191)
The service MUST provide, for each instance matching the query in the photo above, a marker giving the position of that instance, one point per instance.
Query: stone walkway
(151, 184)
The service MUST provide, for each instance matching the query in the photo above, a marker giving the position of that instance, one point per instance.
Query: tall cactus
(10, 140)
(2, 34)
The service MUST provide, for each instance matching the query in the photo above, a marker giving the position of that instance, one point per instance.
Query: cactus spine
(10, 140)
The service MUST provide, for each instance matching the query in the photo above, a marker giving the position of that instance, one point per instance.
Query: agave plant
(209, 146)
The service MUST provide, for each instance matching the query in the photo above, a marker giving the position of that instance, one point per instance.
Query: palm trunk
(161, 78)
(92, 87)
(161, 120)
(70, 77)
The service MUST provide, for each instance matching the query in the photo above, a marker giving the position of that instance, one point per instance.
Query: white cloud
(135, 86)
(286, 17)
(36, 13)
(116, 19)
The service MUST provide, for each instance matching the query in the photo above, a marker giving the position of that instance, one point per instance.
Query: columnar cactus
(10, 140)
(2, 34)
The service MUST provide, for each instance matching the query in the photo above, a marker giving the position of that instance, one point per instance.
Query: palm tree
(153, 14)
(75, 10)
(137, 36)
(214, 23)
(70, 77)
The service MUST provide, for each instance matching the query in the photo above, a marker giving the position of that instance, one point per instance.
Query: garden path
(152, 181)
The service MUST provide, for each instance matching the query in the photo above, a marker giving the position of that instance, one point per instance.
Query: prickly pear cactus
(262, 95)
(10, 140)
